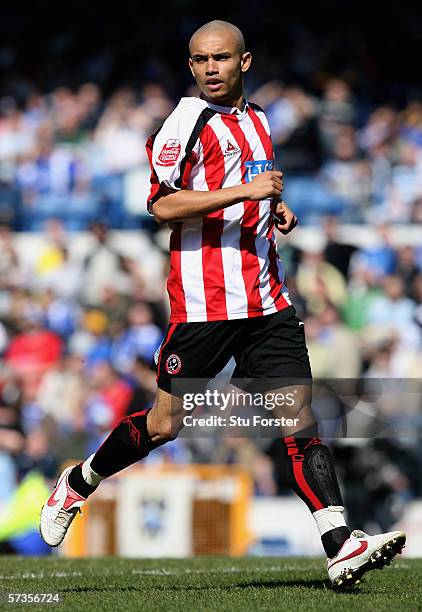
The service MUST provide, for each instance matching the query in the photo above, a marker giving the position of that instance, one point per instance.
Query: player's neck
(232, 102)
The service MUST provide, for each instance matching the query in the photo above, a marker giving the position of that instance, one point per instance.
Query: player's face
(218, 66)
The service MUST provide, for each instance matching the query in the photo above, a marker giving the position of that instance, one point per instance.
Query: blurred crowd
(78, 156)
(74, 155)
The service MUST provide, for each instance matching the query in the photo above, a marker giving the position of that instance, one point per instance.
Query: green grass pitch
(206, 583)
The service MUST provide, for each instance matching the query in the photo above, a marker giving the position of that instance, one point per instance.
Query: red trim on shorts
(166, 341)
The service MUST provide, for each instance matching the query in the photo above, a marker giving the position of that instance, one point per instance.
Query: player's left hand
(285, 219)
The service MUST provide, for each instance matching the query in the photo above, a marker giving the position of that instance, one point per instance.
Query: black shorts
(264, 348)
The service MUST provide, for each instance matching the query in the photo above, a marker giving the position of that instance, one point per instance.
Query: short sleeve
(167, 155)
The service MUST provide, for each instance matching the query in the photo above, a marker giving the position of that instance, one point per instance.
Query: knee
(163, 430)
(302, 430)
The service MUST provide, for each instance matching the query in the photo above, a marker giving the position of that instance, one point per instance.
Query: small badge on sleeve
(169, 153)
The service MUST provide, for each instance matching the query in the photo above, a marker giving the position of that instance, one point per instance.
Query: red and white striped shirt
(224, 265)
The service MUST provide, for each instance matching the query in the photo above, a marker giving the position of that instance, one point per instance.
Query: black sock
(78, 483)
(128, 443)
(334, 539)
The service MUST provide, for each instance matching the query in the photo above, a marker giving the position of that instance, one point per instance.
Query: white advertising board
(154, 516)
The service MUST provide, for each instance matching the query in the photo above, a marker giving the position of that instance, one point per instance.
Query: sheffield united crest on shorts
(169, 153)
(173, 364)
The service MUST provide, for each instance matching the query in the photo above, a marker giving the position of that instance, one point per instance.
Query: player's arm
(174, 206)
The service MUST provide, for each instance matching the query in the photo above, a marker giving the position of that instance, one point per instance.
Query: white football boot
(60, 510)
(361, 553)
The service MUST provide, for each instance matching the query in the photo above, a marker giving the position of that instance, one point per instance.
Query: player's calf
(128, 443)
(311, 474)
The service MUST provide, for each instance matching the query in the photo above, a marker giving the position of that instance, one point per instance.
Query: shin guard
(310, 472)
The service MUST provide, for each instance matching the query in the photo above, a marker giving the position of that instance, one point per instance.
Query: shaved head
(220, 26)
(218, 61)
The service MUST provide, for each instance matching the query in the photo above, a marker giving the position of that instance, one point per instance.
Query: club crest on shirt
(256, 167)
(173, 364)
(169, 153)
(230, 149)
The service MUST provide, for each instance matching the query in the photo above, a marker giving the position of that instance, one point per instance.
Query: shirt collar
(230, 110)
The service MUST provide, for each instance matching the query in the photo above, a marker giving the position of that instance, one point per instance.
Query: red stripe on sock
(297, 461)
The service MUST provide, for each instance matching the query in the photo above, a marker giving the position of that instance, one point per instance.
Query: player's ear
(245, 61)
(191, 66)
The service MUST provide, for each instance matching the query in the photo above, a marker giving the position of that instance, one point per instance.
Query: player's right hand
(265, 185)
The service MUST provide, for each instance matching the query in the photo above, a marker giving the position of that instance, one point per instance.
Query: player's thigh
(193, 353)
(275, 348)
(275, 359)
(292, 404)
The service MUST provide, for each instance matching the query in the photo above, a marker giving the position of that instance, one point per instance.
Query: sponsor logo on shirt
(231, 149)
(252, 168)
(169, 153)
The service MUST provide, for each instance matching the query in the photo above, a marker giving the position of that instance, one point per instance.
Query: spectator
(54, 243)
(319, 282)
(347, 176)
(144, 386)
(337, 110)
(405, 187)
(121, 133)
(406, 267)
(102, 267)
(140, 338)
(61, 393)
(32, 351)
(9, 261)
(395, 312)
(12, 438)
(379, 258)
(334, 349)
(107, 401)
(292, 115)
(337, 253)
